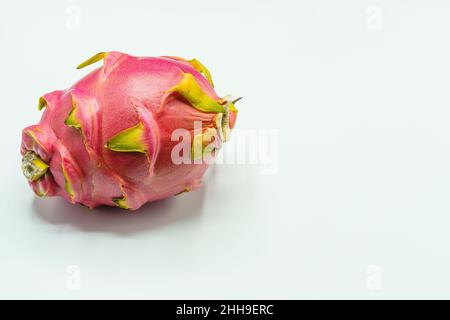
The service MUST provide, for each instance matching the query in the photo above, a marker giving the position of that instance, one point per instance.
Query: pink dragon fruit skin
(107, 140)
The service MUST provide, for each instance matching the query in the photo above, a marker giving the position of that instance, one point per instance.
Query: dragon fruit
(109, 139)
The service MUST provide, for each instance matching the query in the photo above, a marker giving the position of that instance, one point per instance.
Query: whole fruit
(114, 137)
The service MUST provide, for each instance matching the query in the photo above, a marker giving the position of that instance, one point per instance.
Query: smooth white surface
(360, 206)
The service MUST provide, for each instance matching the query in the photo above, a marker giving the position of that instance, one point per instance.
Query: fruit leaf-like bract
(107, 140)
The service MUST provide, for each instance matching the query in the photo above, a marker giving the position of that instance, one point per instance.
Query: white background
(359, 206)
